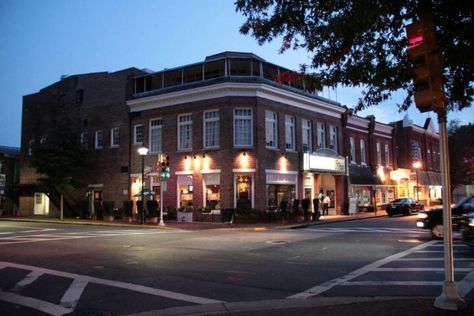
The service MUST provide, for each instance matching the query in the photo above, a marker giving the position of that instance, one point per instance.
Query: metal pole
(417, 191)
(162, 222)
(143, 189)
(449, 298)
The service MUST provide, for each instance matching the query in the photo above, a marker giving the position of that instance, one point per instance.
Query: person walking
(326, 201)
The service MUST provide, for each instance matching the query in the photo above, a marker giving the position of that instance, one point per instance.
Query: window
(85, 140)
(307, 135)
(387, 155)
(290, 136)
(212, 190)
(271, 130)
(333, 137)
(98, 139)
(243, 124)
(185, 132)
(79, 96)
(61, 99)
(30, 147)
(353, 149)
(42, 140)
(138, 134)
(211, 129)
(114, 137)
(156, 135)
(362, 152)
(379, 154)
(185, 191)
(321, 135)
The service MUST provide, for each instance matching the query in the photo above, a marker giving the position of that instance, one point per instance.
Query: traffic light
(165, 167)
(428, 62)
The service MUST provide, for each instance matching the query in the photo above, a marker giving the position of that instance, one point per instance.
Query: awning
(362, 175)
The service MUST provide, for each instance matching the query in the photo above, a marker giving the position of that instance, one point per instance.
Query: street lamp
(416, 166)
(142, 151)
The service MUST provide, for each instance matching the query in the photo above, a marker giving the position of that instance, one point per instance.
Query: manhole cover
(277, 242)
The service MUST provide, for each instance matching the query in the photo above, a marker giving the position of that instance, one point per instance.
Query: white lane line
(123, 285)
(34, 303)
(433, 259)
(466, 284)
(420, 269)
(384, 283)
(354, 274)
(28, 279)
(74, 292)
(454, 245)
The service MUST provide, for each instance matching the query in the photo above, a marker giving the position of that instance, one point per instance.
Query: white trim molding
(280, 171)
(243, 170)
(211, 171)
(183, 173)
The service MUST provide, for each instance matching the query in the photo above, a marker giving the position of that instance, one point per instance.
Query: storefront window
(279, 192)
(244, 191)
(212, 190)
(185, 191)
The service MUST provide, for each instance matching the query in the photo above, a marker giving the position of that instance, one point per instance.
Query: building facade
(418, 173)
(9, 178)
(238, 132)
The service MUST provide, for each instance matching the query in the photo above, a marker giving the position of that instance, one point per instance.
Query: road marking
(385, 283)
(420, 269)
(370, 267)
(28, 279)
(74, 292)
(433, 259)
(466, 284)
(34, 303)
(118, 284)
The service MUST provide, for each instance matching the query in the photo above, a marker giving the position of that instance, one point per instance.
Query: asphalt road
(50, 269)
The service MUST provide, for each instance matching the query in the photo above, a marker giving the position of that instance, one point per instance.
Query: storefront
(324, 172)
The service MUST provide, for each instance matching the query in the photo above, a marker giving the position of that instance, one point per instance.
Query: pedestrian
(326, 201)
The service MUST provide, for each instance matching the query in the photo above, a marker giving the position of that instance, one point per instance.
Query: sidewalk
(194, 226)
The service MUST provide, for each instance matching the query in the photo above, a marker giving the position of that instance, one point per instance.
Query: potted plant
(205, 213)
(152, 208)
(297, 216)
(98, 210)
(108, 211)
(127, 210)
(284, 212)
(139, 211)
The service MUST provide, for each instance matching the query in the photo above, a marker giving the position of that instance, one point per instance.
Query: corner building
(235, 136)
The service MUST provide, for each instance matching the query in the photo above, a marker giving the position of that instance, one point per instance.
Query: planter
(153, 220)
(184, 216)
(129, 219)
(108, 218)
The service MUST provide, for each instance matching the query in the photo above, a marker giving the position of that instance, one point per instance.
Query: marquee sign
(319, 163)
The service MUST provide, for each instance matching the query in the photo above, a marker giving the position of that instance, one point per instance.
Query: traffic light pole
(162, 222)
(449, 298)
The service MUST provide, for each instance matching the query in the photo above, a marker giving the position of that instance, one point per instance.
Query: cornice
(232, 89)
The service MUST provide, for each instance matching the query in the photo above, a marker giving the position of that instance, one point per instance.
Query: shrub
(171, 213)
(152, 208)
(98, 207)
(84, 209)
(305, 205)
(127, 208)
(296, 206)
(108, 208)
(139, 208)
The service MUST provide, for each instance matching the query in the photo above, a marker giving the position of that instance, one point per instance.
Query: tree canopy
(363, 42)
(59, 160)
(461, 153)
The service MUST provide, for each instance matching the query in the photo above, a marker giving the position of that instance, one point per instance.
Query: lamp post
(417, 165)
(142, 151)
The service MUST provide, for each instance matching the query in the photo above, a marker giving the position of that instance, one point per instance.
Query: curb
(230, 308)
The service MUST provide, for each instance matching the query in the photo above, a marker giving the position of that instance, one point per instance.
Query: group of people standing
(324, 200)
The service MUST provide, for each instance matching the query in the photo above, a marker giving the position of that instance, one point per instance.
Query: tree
(363, 43)
(461, 153)
(60, 161)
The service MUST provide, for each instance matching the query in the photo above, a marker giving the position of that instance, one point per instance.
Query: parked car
(404, 206)
(433, 219)
(468, 229)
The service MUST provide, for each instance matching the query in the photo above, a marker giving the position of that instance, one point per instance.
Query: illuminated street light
(416, 166)
(142, 151)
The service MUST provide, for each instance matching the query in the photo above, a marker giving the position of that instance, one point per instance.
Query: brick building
(239, 132)
(417, 144)
(93, 106)
(9, 178)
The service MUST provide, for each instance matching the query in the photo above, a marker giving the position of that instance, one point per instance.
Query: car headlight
(420, 224)
(471, 222)
(422, 215)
